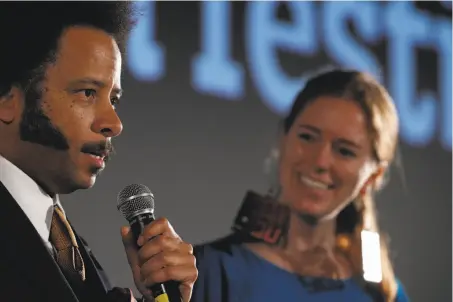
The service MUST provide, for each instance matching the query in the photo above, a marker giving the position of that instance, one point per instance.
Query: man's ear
(10, 105)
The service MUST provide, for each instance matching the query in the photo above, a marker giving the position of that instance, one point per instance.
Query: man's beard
(36, 127)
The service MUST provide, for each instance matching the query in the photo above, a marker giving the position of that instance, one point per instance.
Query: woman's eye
(346, 152)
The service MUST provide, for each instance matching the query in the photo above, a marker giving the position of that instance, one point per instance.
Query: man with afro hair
(60, 83)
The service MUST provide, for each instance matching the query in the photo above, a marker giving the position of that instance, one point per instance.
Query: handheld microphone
(136, 204)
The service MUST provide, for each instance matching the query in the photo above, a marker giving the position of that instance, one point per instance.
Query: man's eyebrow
(97, 83)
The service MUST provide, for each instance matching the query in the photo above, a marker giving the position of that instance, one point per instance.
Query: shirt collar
(34, 202)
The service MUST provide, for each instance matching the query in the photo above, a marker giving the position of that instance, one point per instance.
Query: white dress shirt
(34, 202)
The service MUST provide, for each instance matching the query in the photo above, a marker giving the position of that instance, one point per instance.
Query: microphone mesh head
(135, 199)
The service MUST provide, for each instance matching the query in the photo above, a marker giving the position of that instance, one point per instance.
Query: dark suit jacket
(28, 272)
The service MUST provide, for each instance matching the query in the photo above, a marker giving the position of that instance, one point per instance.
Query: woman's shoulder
(222, 270)
(401, 294)
(225, 248)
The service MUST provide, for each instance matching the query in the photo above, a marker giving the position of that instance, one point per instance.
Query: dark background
(199, 152)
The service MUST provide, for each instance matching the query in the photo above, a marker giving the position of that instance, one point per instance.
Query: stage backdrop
(205, 85)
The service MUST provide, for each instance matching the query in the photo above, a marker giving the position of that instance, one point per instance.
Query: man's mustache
(104, 147)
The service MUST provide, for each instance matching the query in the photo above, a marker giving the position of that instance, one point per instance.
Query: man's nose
(107, 122)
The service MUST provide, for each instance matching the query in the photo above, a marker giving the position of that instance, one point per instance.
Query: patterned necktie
(63, 239)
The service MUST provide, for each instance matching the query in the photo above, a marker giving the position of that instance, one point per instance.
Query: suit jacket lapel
(25, 251)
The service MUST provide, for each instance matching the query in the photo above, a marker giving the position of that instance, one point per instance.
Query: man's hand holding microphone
(162, 264)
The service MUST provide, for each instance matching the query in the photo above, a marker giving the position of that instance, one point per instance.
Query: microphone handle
(167, 292)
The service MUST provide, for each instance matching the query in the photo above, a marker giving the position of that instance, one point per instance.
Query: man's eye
(306, 137)
(89, 92)
(115, 101)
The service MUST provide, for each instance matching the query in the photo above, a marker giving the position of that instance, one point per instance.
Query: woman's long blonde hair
(382, 118)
